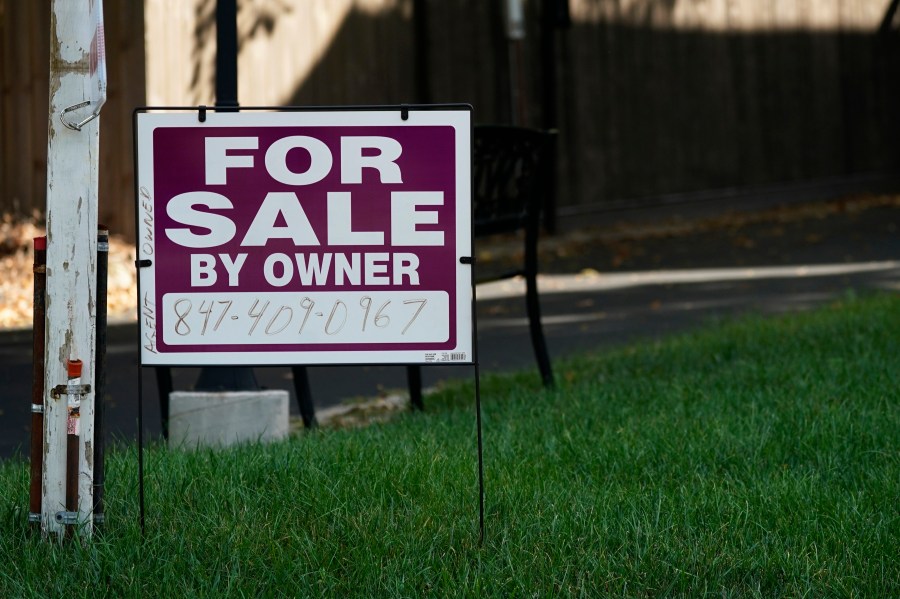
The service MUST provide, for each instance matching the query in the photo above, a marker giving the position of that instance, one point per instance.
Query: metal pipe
(73, 432)
(226, 54)
(421, 57)
(414, 382)
(100, 374)
(549, 88)
(164, 388)
(217, 378)
(304, 396)
(37, 380)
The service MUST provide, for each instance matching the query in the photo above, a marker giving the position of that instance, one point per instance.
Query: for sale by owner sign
(304, 237)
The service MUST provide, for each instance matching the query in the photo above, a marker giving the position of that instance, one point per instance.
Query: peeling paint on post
(72, 167)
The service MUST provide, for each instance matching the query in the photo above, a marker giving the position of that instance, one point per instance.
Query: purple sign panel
(305, 237)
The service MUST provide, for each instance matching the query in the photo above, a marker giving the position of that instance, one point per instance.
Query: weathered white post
(77, 90)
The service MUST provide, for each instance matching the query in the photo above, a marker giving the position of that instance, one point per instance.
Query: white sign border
(147, 119)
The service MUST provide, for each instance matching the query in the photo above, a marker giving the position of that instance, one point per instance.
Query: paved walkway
(605, 282)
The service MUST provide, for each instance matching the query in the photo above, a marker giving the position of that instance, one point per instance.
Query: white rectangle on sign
(288, 318)
(305, 236)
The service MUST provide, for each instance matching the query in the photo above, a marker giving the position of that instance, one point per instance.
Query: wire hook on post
(77, 126)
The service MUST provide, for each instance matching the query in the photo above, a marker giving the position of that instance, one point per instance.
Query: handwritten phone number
(326, 317)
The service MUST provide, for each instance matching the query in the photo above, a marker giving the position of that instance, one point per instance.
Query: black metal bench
(512, 181)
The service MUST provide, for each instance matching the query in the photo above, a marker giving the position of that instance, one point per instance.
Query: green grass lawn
(754, 459)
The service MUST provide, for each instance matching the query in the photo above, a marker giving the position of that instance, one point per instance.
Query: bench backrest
(511, 175)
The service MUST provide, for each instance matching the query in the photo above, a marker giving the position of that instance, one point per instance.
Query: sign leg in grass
(77, 91)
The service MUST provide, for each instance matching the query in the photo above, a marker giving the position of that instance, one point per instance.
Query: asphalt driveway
(603, 283)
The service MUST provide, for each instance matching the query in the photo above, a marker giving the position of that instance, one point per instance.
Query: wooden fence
(24, 102)
(653, 96)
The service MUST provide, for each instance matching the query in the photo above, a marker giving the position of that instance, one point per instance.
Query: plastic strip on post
(97, 73)
(74, 391)
(73, 433)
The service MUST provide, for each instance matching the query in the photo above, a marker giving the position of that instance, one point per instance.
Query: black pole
(414, 382)
(421, 56)
(37, 380)
(478, 422)
(480, 441)
(500, 50)
(548, 64)
(226, 54)
(549, 112)
(554, 15)
(164, 387)
(888, 20)
(100, 375)
(140, 373)
(140, 384)
(304, 396)
(221, 378)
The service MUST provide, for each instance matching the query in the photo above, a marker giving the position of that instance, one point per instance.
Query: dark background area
(648, 101)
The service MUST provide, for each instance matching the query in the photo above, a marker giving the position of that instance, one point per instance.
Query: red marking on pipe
(40, 243)
(73, 367)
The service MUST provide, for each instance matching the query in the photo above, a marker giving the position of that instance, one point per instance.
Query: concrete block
(222, 418)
